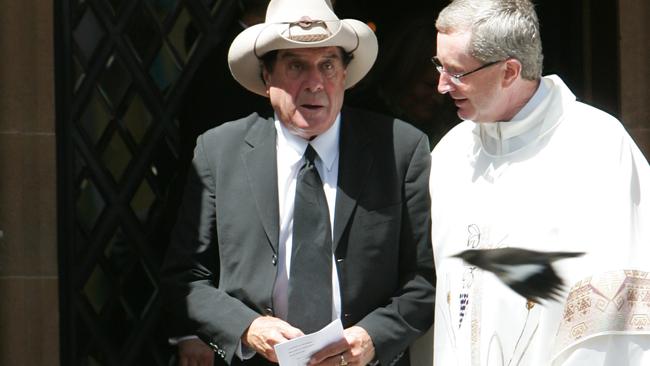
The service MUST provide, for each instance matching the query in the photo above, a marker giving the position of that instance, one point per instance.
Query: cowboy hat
(300, 24)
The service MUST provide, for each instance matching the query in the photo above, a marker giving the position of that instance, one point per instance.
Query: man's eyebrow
(334, 55)
(289, 54)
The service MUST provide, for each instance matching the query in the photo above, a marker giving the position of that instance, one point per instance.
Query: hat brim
(353, 36)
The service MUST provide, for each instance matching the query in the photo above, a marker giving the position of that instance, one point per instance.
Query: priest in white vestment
(531, 167)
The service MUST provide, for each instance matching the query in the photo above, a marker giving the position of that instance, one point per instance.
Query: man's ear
(512, 71)
(265, 77)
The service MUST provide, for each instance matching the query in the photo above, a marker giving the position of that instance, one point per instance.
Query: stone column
(29, 311)
(635, 70)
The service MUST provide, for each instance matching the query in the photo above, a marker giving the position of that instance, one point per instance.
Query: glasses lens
(436, 64)
(441, 70)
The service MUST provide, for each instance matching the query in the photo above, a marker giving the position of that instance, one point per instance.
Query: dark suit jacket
(221, 265)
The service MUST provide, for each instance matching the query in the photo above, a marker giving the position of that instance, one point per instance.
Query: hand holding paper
(265, 332)
(356, 349)
(298, 351)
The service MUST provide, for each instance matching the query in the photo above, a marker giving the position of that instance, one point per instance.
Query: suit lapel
(259, 156)
(355, 160)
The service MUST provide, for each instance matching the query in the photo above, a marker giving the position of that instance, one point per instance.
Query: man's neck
(518, 95)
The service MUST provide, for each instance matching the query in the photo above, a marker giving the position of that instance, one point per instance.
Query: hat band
(305, 30)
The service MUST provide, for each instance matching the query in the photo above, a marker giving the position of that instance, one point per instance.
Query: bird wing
(544, 285)
(510, 273)
(514, 255)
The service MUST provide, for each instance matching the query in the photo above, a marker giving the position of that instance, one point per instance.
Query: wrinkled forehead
(310, 53)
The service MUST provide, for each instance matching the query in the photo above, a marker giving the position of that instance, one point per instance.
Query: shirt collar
(542, 91)
(325, 144)
(536, 119)
(524, 120)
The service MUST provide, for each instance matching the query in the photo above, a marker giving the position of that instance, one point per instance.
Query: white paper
(297, 351)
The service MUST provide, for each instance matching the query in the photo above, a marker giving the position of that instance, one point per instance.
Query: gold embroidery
(530, 304)
(612, 302)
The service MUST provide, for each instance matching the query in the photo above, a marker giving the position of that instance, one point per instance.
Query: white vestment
(561, 176)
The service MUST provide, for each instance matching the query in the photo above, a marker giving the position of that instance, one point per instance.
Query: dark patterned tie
(310, 282)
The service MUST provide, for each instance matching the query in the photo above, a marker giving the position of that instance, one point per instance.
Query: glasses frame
(455, 78)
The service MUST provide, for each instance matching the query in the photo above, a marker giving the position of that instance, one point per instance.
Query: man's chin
(304, 129)
(464, 115)
(310, 125)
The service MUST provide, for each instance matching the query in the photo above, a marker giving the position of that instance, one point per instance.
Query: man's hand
(265, 332)
(194, 352)
(356, 349)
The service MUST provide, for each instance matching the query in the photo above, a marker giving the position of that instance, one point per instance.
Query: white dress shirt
(290, 151)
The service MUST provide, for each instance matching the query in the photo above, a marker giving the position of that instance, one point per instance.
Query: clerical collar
(528, 125)
(542, 91)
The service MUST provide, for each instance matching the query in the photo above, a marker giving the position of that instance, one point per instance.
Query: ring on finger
(343, 361)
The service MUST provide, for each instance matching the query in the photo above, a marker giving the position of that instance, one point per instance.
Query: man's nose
(445, 85)
(314, 80)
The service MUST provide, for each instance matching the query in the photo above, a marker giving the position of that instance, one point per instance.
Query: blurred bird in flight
(527, 272)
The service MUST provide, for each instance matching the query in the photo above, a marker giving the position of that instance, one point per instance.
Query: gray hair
(499, 29)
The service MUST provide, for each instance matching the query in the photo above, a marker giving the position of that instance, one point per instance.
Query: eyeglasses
(455, 78)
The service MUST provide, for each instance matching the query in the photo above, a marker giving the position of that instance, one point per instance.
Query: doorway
(123, 70)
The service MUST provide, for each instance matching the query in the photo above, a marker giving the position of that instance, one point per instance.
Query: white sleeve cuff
(244, 353)
(176, 340)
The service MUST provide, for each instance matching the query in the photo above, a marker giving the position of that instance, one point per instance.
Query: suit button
(214, 346)
(268, 311)
(274, 259)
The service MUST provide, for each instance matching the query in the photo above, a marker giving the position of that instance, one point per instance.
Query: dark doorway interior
(580, 40)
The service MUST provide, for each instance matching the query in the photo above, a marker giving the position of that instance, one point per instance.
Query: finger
(290, 332)
(182, 361)
(336, 360)
(207, 359)
(333, 350)
(343, 359)
(269, 354)
(273, 357)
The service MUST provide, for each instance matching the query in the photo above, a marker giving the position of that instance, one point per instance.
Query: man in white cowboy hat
(252, 263)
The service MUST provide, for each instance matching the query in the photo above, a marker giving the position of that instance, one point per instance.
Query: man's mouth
(311, 106)
(459, 101)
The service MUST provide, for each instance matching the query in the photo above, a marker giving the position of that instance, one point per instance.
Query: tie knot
(310, 153)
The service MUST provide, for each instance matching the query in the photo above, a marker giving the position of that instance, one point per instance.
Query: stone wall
(635, 70)
(29, 312)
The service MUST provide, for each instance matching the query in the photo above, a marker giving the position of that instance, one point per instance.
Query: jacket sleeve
(191, 268)
(409, 313)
